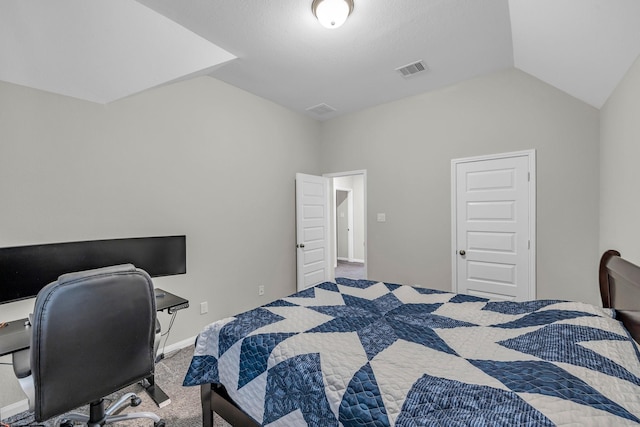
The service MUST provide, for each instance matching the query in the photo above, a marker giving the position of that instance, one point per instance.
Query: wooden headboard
(620, 289)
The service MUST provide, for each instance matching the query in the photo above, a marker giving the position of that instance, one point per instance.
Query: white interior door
(494, 226)
(312, 230)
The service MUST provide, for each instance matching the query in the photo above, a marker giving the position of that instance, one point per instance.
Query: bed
(365, 353)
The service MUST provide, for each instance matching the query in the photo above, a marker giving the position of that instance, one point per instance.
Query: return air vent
(321, 109)
(412, 69)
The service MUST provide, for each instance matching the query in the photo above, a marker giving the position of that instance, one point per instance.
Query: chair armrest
(22, 363)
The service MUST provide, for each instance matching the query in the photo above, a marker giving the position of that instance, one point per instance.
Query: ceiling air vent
(321, 109)
(412, 69)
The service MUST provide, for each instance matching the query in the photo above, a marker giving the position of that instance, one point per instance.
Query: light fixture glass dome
(332, 13)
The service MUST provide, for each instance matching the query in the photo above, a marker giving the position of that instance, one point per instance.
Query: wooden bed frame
(619, 289)
(215, 399)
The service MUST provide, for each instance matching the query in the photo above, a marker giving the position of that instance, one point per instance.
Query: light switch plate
(382, 217)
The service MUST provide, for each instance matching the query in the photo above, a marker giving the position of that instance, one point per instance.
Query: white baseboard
(14, 408)
(180, 344)
(351, 260)
(23, 405)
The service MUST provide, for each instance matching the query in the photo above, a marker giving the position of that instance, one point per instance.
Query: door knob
(462, 252)
(301, 245)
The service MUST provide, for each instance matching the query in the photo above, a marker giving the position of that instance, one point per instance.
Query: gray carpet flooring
(350, 270)
(183, 411)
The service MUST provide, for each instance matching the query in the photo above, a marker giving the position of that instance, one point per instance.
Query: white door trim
(362, 172)
(531, 156)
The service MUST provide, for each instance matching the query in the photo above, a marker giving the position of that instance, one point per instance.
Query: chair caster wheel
(135, 401)
(66, 423)
(159, 424)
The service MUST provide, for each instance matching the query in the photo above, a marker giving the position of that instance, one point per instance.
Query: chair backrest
(92, 335)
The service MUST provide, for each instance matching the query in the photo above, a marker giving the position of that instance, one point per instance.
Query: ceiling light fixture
(332, 13)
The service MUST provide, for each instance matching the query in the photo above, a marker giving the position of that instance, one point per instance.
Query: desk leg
(156, 393)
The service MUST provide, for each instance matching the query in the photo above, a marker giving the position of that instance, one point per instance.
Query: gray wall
(620, 168)
(342, 224)
(407, 146)
(199, 157)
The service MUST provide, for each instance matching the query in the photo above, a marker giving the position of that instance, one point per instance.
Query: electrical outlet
(261, 290)
(204, 307)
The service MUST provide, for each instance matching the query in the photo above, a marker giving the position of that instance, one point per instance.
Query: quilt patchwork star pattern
(364, 353)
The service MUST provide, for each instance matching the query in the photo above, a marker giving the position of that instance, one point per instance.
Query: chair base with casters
(99, 416)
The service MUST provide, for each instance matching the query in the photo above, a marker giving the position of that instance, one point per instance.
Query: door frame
(531, 156)
(332, 232)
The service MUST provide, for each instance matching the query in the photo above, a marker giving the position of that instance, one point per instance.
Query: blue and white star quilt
(363, 353)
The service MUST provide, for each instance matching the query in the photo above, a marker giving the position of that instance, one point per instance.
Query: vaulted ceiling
(104, 50)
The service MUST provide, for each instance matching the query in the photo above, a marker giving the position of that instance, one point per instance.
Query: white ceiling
(103, 50)
(99, 50)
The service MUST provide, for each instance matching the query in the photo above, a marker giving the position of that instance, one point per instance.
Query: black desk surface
(166, 300)
(16, 335)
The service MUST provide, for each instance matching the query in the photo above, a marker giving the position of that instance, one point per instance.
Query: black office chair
(93, 334)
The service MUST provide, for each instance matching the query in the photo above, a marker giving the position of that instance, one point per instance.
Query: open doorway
(348, 224)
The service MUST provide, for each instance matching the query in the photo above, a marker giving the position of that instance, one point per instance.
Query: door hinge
(529, 244)
(529, 176)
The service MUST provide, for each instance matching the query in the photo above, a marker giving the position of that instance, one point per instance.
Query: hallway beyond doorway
(350, 270)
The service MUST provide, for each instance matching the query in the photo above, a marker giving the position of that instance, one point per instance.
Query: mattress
(365, 353)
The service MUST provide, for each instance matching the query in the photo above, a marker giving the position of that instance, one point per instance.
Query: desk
(16, 336)
(170, 302)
